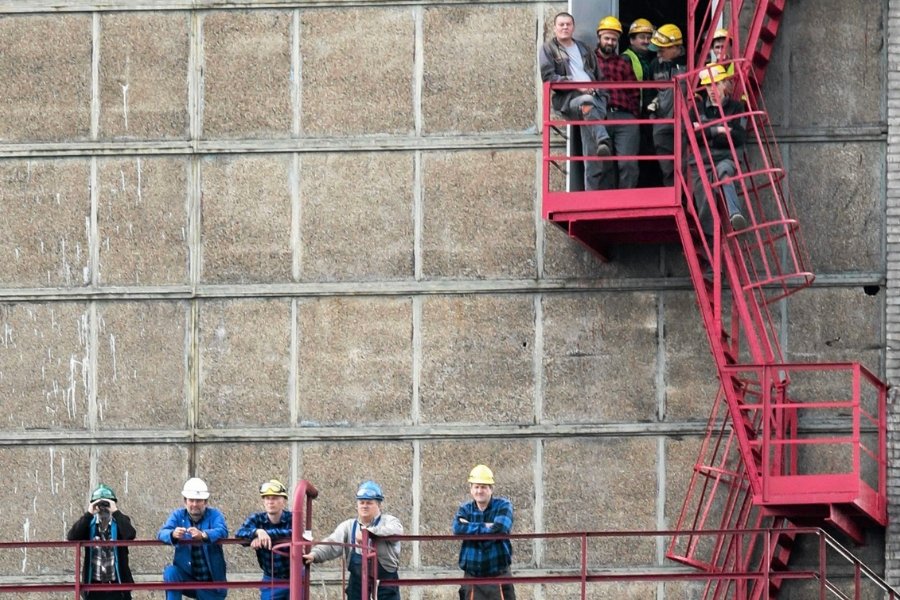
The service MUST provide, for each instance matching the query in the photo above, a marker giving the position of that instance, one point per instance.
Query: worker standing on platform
(721, 47)
(566, 59)
(638, 53)
(487, 515)
(261, 529)
(670, 61)
(104, 564)
(716, 143)
(623, 104)
(379, 525)
(194, 530)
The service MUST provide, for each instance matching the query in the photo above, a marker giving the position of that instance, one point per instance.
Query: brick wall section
(892, 318)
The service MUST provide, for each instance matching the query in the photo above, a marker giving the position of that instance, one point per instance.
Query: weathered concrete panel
(445, 468)
(361, 80)
(246, 219)
(842, 84)
(837, 191)
(616, 480)
(337, 469)
(475, 82)
(142, 221)
(245, 363)
(44, 364)
(357, 217)
(681, 456)
(477, 359)
(49, 202)
(856, 336)
(144, 78)
(141, 381)
(478, 214)
(588, 340)
(45, 494)
(691, 382)
(247, 74)
(355, 358)
(46, 66)
(565, 258)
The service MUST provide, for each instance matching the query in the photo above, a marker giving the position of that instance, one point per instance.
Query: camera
(103, 504)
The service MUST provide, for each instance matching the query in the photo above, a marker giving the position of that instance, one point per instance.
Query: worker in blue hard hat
(379, 525)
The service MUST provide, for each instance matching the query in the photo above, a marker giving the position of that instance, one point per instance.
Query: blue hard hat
(369, 490)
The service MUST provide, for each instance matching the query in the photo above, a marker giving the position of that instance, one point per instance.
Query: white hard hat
(195, 489)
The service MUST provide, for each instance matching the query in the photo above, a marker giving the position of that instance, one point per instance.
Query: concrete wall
(302, 240)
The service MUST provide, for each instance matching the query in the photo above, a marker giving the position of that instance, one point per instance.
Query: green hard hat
(104, 492)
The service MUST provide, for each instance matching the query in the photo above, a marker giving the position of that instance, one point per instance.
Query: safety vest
(638, 67)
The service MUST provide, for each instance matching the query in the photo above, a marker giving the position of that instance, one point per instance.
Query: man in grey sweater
(369, 517)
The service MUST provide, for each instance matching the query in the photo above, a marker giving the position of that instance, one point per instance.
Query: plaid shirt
(617, 68)
(488, 558)
(273, 564)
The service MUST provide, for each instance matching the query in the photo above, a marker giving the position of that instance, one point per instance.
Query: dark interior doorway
(587, 14)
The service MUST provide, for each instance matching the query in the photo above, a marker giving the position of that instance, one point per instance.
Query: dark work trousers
(485, 591)
(354, 584)
(106, 595)
(626, 141)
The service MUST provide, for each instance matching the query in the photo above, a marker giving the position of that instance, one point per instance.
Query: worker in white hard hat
(379, 525)
(262, 530)
(195, 562)
(485, 514)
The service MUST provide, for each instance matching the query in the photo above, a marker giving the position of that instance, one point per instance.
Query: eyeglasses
(272, 488)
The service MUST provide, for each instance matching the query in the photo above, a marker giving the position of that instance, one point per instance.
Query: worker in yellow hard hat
(638, 52)
(715, 142)
(721, 46)
(488, 515)
(671, 59)
(261, 531)
(623, 104)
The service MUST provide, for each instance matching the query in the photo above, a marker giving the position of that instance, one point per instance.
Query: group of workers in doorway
(194, 528)
(653, 54)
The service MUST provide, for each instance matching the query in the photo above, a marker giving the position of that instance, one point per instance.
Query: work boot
(604, 148)
(738, 221)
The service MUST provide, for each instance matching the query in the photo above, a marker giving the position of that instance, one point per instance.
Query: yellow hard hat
(713, 74)
(273, 487)
(609, 23)
(666, 36)
(640, 26)
(721, 32)
(481, 474)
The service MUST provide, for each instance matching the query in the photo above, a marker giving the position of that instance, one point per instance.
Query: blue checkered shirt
(273, 564)
(490, 557)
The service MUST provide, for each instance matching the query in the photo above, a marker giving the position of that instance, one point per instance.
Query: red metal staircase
(788, 445)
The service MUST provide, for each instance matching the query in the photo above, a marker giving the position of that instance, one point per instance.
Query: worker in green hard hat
(104, 564)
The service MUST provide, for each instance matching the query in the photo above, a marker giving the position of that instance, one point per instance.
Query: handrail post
(301, 522)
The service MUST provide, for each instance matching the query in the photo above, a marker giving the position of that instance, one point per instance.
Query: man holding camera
(104, 564)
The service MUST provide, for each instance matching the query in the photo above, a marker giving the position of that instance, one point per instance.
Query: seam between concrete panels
(418, 67)
(296, 74)
(416, 360)
(95, 76)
